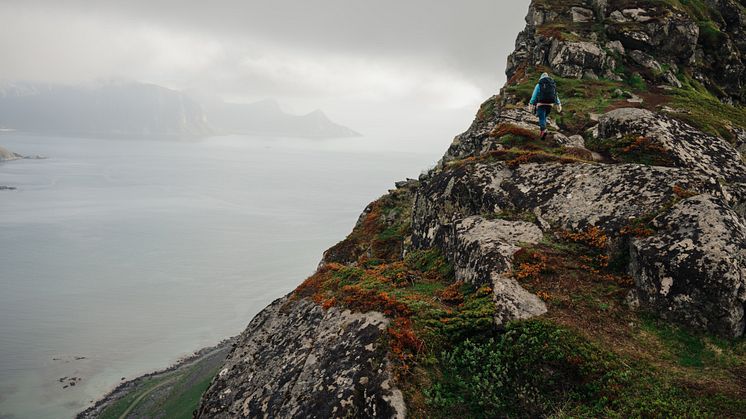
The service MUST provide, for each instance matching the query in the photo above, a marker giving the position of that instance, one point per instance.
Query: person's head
(544, 76)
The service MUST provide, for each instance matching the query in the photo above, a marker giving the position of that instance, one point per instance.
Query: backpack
(547, 91)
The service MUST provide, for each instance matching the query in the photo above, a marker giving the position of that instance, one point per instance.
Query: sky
(415, 68)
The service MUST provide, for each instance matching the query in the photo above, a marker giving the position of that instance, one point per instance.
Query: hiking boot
(543, 135)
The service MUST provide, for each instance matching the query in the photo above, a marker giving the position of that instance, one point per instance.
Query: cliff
(598, 272)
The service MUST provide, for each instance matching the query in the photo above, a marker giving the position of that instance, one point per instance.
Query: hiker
(544, 98)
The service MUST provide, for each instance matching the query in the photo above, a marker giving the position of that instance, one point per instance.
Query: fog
(415, 69)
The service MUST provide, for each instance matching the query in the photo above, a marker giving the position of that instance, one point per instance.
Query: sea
(119, 257)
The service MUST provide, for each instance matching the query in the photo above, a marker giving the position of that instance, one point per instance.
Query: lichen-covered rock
(513, 302)
(694, 270)
(672, 36)
(482, 247)
(579, 59)
(575, 196)
(297, 360)
(712, 46)
(686, 146)
(482, 252)
(453, 195)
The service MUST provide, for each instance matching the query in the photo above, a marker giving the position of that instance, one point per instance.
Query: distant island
(267, 118)
(7, 155)
(140, 110)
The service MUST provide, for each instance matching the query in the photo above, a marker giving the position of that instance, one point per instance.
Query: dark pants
(543, 112)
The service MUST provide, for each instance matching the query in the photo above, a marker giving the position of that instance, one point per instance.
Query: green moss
(701, 109)
(430, 260)
(636, 82)
(538, 369)
(690, 349)
(630, 149)
(511, 215)
(710, 35)
(487, 110)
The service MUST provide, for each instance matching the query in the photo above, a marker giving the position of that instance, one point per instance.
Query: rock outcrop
(297, 360)
(694, 269)
(562, 37)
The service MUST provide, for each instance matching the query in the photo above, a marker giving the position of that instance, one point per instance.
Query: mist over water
(118, 257)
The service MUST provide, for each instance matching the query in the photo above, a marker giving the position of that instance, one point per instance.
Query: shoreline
(122, 390)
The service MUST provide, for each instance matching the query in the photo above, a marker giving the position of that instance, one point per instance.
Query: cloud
(349, 76)
(348, 55)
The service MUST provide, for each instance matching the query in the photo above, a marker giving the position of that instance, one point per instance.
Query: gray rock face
(645, 60)
(694, 269)
(688, 147)
(573, 197)
(296, 360)
(577, 197)
(578, 59)
(716, 57)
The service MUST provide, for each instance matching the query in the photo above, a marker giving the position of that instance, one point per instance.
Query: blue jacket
(536, 95)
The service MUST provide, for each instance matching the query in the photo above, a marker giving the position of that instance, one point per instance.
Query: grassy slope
(173, 394)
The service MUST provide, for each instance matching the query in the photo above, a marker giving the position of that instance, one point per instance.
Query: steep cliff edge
(601, 271)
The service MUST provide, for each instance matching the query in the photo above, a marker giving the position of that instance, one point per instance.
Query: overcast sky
(379, 66)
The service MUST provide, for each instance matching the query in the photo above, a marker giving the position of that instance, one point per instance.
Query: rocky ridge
(564, 264)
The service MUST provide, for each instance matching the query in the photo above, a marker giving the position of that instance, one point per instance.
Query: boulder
(694, 270)
(482, 247)
(454, 194)
(645, 60)
(582, 15)
(297, 360)
(482, 253)
(616, 46)
(637, 15)
(686, 146)
(575, 59)
(513, 302)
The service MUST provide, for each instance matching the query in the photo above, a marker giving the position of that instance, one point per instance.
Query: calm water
(119, 257)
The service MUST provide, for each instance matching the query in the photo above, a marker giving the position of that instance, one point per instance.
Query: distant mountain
(108, 109)
(130, 109)
(267, 118)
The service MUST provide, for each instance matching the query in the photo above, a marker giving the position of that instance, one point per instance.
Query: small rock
(617, 17)
(672, 80)
(645, 60)
(616, 46)
(582, 15)
(637, 15)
